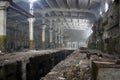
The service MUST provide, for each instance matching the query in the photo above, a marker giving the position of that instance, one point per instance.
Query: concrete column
(31, 38)
(59, 37)
(61, 40)
(51, 34)
(56, 36)
(68, 46)
(43, 36)
(31, 22)
(3, 11)
(61, 32)
(51, 39)
(56, 41)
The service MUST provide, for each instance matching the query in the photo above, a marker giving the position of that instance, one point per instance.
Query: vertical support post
(62, 37)
(61, 40)
(43, 36)
(3, 14)
(56, 36)
(59, 35)
(43, 31)
(51, 34)
(31, 22)
(31, 43)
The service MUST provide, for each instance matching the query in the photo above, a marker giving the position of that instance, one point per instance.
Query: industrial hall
(59, 40)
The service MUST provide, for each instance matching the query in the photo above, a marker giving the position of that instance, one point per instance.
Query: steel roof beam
(57, 17)
(66, 10)
(61, 17)
(17, 8)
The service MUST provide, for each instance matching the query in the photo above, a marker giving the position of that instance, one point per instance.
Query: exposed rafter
(67, 10)
(55, 18)
(79, 9)
(59, 6)
(42, 7)
(51, 6)
(19, 9)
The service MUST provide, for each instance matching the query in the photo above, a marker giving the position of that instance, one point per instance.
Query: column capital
(31, 19)
(4, 4)
(44, 26)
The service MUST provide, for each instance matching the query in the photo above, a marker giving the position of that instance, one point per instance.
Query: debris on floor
(80, 65)
(74, 67)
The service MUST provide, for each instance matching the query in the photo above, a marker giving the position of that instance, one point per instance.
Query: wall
(30, 65)
(106, 30)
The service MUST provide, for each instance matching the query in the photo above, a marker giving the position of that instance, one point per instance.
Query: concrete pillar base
(2, 43)
(52, 45)
(31, 43)
(43, 36)
(43, 45)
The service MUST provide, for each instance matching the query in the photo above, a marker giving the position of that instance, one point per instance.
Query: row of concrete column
(55, 36)
(58, 42)
(58, 36)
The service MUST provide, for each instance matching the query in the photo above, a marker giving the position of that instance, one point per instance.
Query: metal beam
(61, 17)
(51, 6)
(57, 17)
(59, 5)
(41, 6)
(66, 10)
(19, 9)
(66, 25)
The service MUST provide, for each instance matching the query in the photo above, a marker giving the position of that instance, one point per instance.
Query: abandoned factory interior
(59, 40)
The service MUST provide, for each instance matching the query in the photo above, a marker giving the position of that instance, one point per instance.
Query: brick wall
(107, 30)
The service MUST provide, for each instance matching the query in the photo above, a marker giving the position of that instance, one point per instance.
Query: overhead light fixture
(32, 1)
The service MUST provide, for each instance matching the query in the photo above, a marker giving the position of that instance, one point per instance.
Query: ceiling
(69, 14)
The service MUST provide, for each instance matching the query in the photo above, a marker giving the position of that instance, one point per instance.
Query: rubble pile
(85, 64)
(74, 67)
